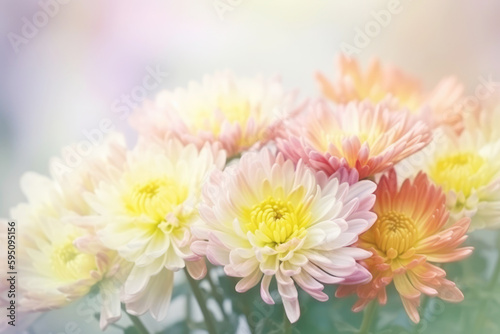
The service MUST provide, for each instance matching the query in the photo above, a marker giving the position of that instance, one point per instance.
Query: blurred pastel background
(65, 79)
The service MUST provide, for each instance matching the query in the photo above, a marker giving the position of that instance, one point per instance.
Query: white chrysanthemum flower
(62, 262)
(145, 213)
(467, 167)
(265, 218)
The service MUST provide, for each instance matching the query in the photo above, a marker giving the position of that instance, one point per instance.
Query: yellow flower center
(395, 231)
(234, 109)
(69, 264)
(155, 198)
(322, 142)
(336, 138)
(276, 221)
(462, 171)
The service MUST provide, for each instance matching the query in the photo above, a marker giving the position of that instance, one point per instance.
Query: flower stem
(368, 316)
(138, 324)
(287, 326)
(198, 294)
(246, 311)
(217, 296)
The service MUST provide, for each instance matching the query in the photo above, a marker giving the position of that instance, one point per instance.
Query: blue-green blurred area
(65, 79)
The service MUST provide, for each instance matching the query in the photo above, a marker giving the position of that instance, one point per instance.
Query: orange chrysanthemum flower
(388, 83)
(408, 236)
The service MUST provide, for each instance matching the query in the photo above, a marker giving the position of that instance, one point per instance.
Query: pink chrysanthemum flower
(238, 113)
(369, 138)
(266, 217)
(408, 236)
(398, 88)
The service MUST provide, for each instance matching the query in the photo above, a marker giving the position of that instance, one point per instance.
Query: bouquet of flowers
(237, 188)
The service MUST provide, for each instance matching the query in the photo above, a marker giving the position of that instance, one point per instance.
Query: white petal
(264, 290)
(197, 269)
(155, 298)
(270, 265)
(111, 305)
(249, 281)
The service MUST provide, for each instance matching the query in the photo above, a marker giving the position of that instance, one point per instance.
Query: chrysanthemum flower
(369, 138)
(238, 113)
(145, 213)
(56, 269)
(407, 238)
(399, 89)
(267, 218)
(62, 262)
